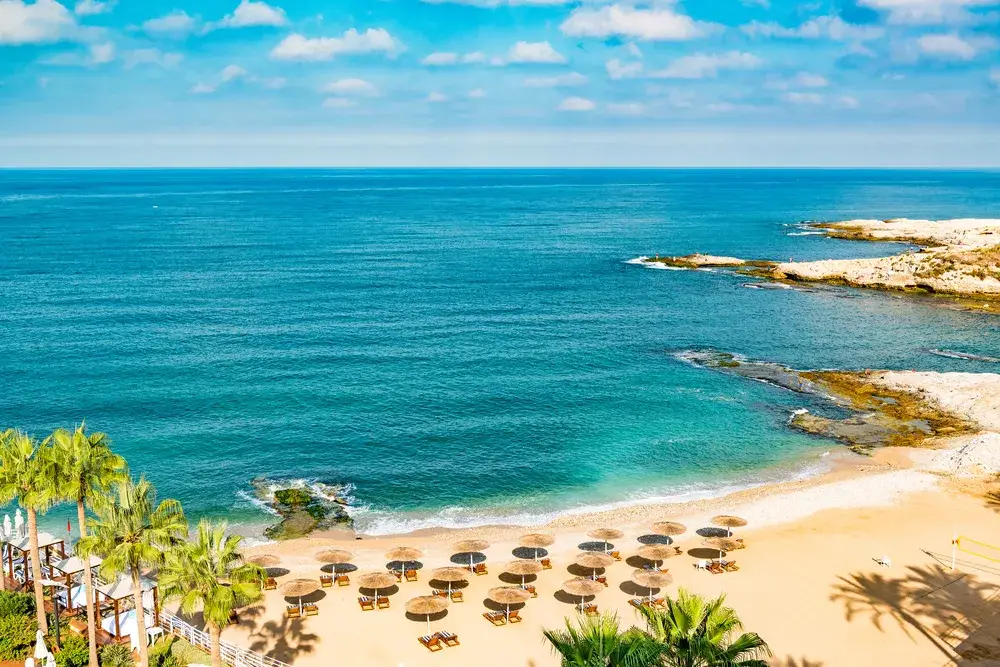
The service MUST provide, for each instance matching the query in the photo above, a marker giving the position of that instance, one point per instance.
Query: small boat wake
(965, 356)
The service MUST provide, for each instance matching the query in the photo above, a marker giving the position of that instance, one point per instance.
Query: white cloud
(298, 47)
(43, 21)
(702, 65)
(231, 72)
(97, 54)
(338, 103)
(534, 52)
(435, 98)
(351, 88)
(803, 98)
(177, 23)
(927, 11)
(576, 104)
(633, 50)
(823, 27)
(627, 108)
(809, 80)
(250, 14)
(151, 57)
(102, 53)
(623, 70)
(475, 57)
(490, 4)
(570, 80)
(92, 7)
(995, 76)
(621, 20)
(950, 46)
(203, 89)
(440, 59)
(477, 94)
(273, 83)
(848, 102)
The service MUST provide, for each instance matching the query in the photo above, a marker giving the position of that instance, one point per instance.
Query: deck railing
(231, 654)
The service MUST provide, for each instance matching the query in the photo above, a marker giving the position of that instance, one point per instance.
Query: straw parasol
(377, 580)
(651, 579)
(508, 595)
(405, 555)
(334, 557)
(582, 587)
(721, 544)
(470, 547)
(296, 588)
(536, 541)
(450, 575)
(728, 522)
(605, 535)
(656, 552)
(425, 605)
(523, 568)
(669, 528)
(594, 561)
(264, 560)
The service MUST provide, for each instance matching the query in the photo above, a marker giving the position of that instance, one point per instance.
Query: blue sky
(499, 82)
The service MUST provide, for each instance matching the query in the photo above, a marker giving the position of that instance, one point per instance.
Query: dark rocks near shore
(303, 508)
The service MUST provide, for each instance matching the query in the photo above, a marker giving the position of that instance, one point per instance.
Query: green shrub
(16, 604)
(185, 654)
(73, 652)
(116, 655)
(17, 636)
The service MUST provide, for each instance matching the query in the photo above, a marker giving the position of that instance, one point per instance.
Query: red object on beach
(69, 527)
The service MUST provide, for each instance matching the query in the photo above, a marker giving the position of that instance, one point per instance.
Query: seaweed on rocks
(304, 507)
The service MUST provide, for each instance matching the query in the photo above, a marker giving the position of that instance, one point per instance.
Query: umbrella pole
(428, 623)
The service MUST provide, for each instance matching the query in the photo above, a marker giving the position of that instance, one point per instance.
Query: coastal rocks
(695, 261)
(979, 455)
(304, 507)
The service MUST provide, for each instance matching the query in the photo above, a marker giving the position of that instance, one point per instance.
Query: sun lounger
(411, 575)
(514, 617)
(546, 563)
(367, 603)
(658, 602)
(382, 603)
(450, 639)
(399, 574)
(432, 642)
(343, 580)
(678, 550)
(326, 581)
(270, 584)
(456, 596)
(439, 593)
(701, 565)
(637, 602)
(531, 589)
(602, 580)
(617, 555)
(740, 541)
(497, 618)
(716, 568)
(730, 566)
(311, 610)
(588, 608)
(293, 611)
(480, 569)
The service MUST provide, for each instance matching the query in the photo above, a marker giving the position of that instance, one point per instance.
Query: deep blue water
(458, 345)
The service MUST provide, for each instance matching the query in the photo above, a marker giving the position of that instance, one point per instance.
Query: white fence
(231, 654)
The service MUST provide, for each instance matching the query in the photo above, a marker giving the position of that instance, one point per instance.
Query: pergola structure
(69, 568)
(12, 549)
(121, 591)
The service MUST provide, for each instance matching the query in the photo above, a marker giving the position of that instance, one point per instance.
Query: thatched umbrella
(536, 541)
(334, 557)
(728, 522)
(470, 547)
(523, 568)
(377, 580)
(605, 535)
(651, 579)
(508, 595)
(594, 561)
(582, 587)
(669, 528)
(450, 575)
(264, 560)
(656, 552)
(425, 605)
(721, 544)
(405, 555)
(296, 588)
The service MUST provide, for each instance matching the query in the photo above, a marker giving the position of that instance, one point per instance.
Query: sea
(448, 347)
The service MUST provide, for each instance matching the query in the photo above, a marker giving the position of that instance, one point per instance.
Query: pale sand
(808, 581)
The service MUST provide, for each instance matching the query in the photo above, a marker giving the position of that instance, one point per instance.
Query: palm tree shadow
(283, 639)
(993, 500)
(801, 662)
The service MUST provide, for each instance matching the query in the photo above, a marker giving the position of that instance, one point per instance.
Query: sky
(500, 82)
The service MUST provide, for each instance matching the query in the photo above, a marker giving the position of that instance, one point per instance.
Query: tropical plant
(599, 642)
(24, 475)
(73, 652)
(16, 604)
(85, 467)
(131, 532)
(17, 636)
(117, 655)
(699, 632)
(209, 575)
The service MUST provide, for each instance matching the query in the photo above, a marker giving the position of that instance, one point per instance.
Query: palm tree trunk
(3, 569)
(216, 633)
(88, 584)
(36, 572)
(140, 618)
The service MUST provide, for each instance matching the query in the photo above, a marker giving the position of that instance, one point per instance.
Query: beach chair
(78, 626)
(399, 574)
(311, 610)
(546, 563)
(617, 555)
(343, 580)
(701, 565)
(730, 566)
(293, 611)
(514, 617)
(439, 593)
(588, 608)
(270, 584)
(411, 575)
(497, 618)
(480, 569)
(657, 602)
(449, 638)
(531, 589)
(431, 642)
(636, 602)
(326, 581)
(716, 568)
(678, 550)
(382, 603)
(456, 596)
(739, 540)
(602, 580)
(367, 604)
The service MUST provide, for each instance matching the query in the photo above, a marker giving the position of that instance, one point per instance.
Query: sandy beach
(808, 581)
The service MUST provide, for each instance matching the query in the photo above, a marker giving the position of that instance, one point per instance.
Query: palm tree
(697, 632)
(85, 467)
(24, 475)
(131, 532)
(209, 575)
(599, 642)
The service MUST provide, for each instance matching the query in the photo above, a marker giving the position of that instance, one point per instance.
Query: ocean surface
(454, 347)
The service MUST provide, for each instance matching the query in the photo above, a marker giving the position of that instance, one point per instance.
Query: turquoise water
(458, 346)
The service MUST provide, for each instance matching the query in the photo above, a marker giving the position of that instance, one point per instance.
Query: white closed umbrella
(41, 652)
(18, 523)
(6, 527)
(50, 661)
